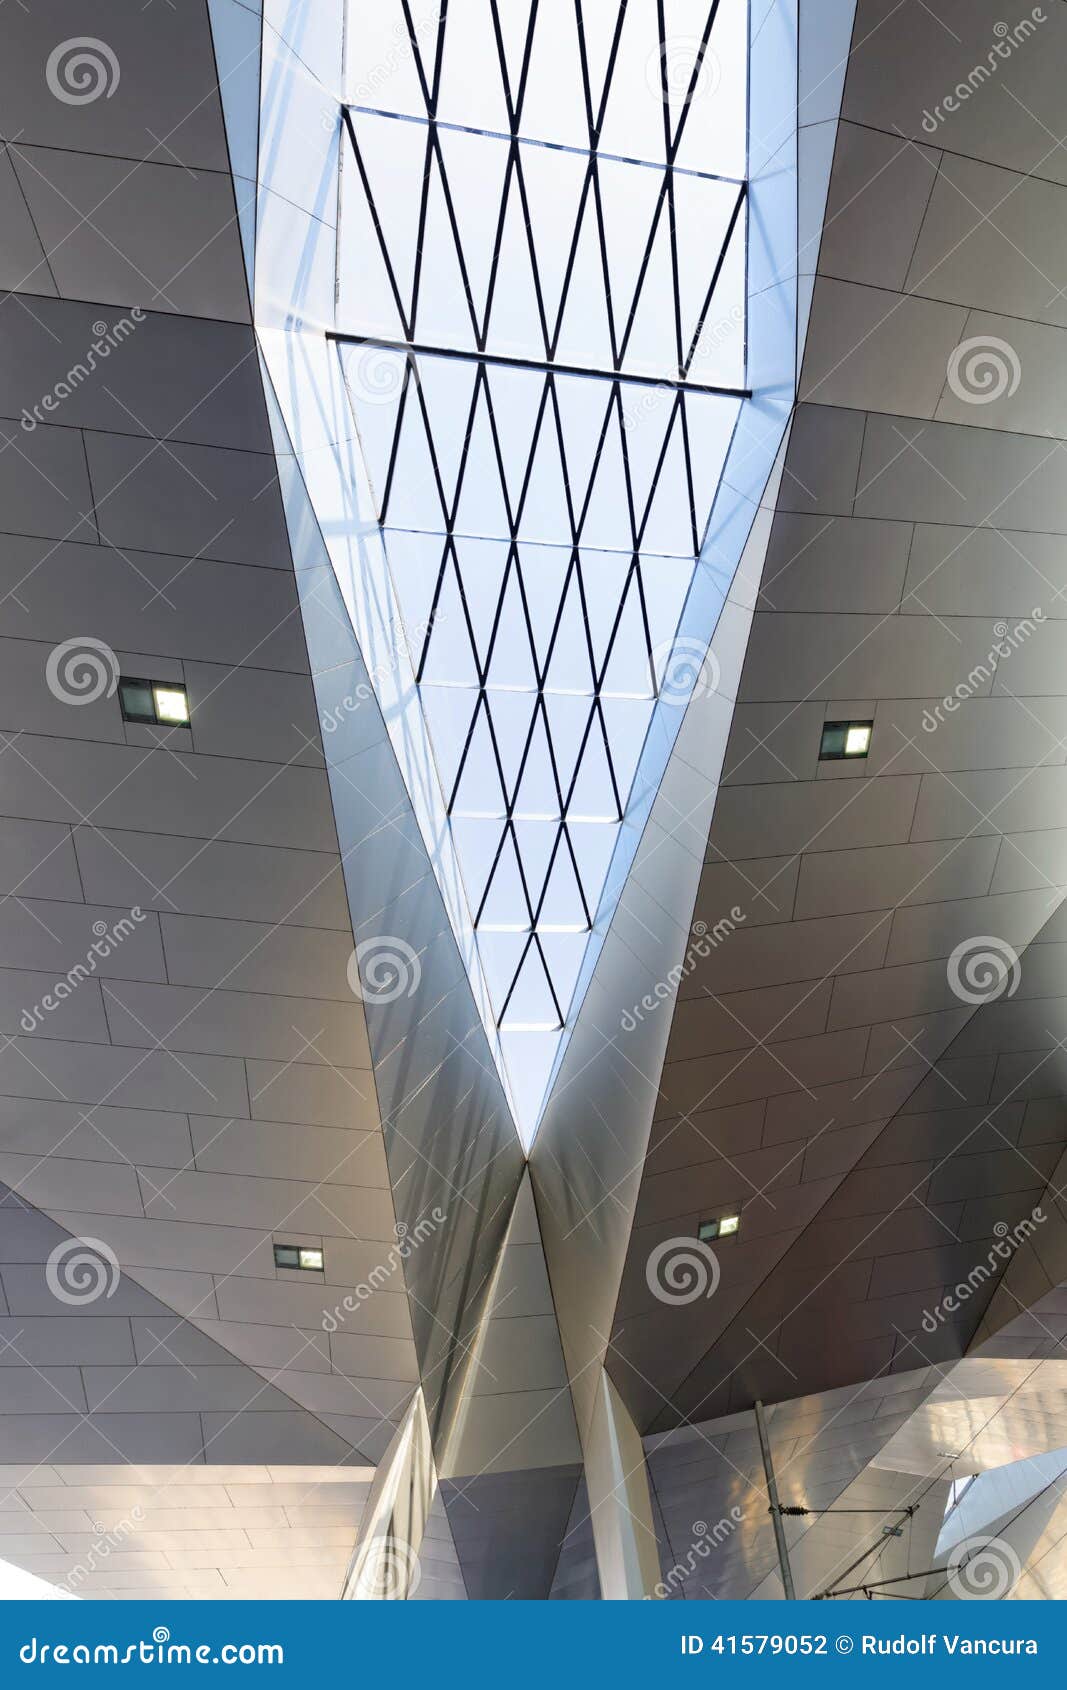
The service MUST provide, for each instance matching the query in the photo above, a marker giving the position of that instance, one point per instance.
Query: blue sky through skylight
(542, 274)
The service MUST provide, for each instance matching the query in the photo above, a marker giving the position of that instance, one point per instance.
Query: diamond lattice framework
(544, 353)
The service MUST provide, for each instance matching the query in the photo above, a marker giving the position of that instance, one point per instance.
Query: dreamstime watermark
(108, 939)
(384, 968)
(983, 369)
(106, 1542)
(108, 337)
(1008, 639)
(983, 968)
(714, 335)
(377, 375)
(81, 670)
(983, 1569)
(646, 398)
(682, 1270)
(397, 54)
(704, 1541)
(684, 68)
(389, 1570)
(1008, 38)
(1009, 1239)
(331, 720)
(158, 1651)
(408, 1240)
(690, 670)
(82, 1270)
(81, 70)
(704, 942)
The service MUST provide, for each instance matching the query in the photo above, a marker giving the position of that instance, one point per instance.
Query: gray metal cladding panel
(145, 234)
(157, 375)
(454, 1157)
(824, 1076)
(151, 83)
(862, 1288)
(577, 1578)
(509, 1530)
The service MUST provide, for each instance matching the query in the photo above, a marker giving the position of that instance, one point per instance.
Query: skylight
(541, 288)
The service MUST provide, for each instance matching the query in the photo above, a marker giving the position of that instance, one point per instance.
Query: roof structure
(534, 828)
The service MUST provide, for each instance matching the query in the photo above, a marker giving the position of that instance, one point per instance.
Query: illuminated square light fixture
(298, 1256)
(163, 704)
(724, 1227)
(171, 705)
(845, 739)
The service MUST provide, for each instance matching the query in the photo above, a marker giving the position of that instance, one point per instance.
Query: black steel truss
(479, 352)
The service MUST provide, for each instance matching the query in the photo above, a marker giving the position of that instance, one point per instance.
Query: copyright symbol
(844, 1645)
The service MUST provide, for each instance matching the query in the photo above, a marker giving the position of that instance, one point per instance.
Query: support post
(772, 1498)
(385, 1564)
(620, 1505)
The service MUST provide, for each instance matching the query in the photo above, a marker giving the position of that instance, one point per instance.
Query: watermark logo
(107, 939)
(108, 337)
(1009, 1239)
(390, 1571)
(983, 1569)
(158, 1651)
(685, 67)
(378, 374)
(983, 969)
(81, 671)
(705, 1539)
(652, 399)
(82, 70)
(82, 1270)
(984, 369)
(1007, 640)
(398, 53)
(714, 334)
(408, 1240)
(107, 1540)
(331, 720)
(704, 942)
(647, 400)
(682, 1270)
(690, 670)
(1007, 38)
(384, 968)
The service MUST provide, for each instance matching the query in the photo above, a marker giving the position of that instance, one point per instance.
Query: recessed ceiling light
(155, 703)
(298, 1256)
(845, 739)
(723, 1227)
(172, 705)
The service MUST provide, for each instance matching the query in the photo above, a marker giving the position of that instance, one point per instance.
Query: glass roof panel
(541, 288)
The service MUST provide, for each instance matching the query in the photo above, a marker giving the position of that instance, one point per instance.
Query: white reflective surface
(539, 205)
